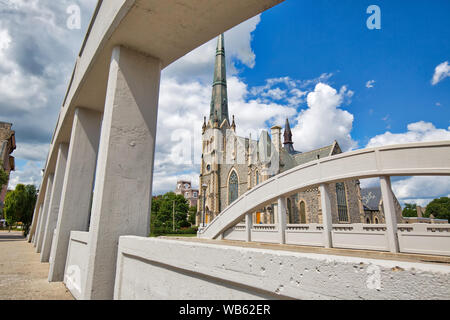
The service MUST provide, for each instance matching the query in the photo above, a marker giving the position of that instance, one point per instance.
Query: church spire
(288, 144)
(219, 99)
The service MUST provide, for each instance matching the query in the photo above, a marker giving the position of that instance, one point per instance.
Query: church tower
(214, 132)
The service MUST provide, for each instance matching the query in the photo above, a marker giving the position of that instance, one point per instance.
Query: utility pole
(173, 216)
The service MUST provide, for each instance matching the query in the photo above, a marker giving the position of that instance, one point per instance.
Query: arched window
(376, 220)
(289, 211)
(233, 187)
(367, 220)
(257, 177)
(302, 212)
(341, 202)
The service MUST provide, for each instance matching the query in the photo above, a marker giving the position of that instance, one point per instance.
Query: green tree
(19, 206)
(162, 213)
(439, 208)
(3, 176)
(192, 214)
(410, 210)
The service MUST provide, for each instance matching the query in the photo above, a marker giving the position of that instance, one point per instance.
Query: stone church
(232, 165)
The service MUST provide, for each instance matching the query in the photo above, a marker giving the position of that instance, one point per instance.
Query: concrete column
(53, 210)
(282, 219)
(389, 213)
(41, 230)
(35, 221)
(123, 181)
(326, 216)
(39, 221)
(77, 188)
(248, 226)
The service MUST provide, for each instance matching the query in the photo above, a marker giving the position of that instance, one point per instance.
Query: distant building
(7, 146)
(191, 195)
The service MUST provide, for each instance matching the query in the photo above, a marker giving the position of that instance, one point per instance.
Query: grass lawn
(177, 235)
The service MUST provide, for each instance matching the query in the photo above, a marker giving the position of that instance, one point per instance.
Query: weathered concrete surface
(149, 268)
(22, 275)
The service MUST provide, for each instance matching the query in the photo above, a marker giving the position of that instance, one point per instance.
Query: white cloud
(370, 84)
(324, 121)
(29, 174)
(417, 132)
(421, 190)
(441, 72)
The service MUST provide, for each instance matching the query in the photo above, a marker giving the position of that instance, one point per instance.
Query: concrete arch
(428, 158)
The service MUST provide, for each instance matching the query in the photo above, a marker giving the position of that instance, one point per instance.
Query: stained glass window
(233, 187)
(341, 202)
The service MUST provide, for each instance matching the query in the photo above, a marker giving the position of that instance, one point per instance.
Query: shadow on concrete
(11, 236)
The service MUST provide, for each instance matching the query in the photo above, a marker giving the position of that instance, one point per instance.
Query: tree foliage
(3, 176)
(410, 210)
(19, 205)
(162, 213)
(439, 208)
(192, 214)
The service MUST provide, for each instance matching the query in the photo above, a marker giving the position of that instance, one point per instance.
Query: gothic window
(257, 177)
(302, 212)
(376, 220)
(289, 211)
(233, 187)
(341, 202)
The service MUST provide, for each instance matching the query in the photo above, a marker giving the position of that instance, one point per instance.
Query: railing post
(389, 213)
(326, 216)
(282, 219)
(248, 227)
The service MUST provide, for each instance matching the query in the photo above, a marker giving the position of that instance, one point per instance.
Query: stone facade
(232, 165)
(7, 146)
(190, 194)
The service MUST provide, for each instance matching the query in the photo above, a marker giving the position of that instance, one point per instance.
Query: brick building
(7, 146)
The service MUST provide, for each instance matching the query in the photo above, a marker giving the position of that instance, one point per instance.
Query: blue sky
(302, 39)
(313, 61)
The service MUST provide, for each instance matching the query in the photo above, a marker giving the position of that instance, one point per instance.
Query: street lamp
(204, 186)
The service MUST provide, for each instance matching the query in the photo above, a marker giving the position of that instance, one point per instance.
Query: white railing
(428, 158)
(413, 238)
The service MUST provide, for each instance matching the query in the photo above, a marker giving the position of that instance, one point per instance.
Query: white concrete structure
(116, 78)
(117, 74)
(150, 268)
(74, 211)
(429, 158)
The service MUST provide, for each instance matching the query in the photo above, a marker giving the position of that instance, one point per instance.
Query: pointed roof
(219, 99)
(288, 144)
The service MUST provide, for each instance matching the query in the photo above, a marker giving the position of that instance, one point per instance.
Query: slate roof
(301, 158)
(371, 197)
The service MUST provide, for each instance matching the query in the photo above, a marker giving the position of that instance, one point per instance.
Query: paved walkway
(22, 275)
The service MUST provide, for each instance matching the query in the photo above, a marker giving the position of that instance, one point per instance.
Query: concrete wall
(151, 268)
(76, 265)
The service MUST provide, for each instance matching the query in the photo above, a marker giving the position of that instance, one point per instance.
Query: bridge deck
(368, 254)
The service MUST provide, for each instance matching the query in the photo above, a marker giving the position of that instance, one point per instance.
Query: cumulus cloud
(37, 55)
(417, 132)
(419, 190)
(370, 84)
(441, 72)
(324, 120)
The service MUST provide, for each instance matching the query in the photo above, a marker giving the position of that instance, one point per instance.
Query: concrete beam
(248, 227)
(123, 181)
(55, 199)
(75, 208)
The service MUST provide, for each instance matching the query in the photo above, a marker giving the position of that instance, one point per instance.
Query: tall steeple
(219, 99)
(288, 144)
